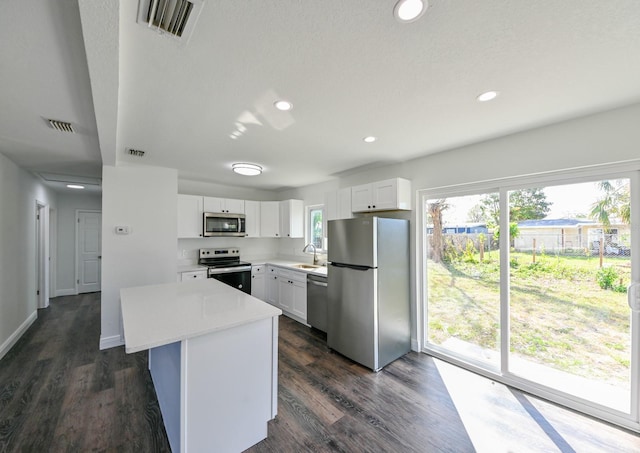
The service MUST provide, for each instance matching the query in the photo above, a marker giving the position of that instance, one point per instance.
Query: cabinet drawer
(256, 270)
(194, 275)
(292, 275)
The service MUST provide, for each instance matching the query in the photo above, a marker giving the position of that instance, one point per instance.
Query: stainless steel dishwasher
(317, 301)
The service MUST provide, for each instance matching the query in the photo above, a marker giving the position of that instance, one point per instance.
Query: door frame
(628, 169)
(42, 254)
(76, 257)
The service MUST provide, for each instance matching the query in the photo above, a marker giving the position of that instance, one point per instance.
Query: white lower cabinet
(293, 293)
(258, 282)
(287, 290)
(272, 291)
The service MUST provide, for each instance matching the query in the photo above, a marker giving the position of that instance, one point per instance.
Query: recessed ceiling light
(243, 168)
(487, 96)
(283, 105)
(410, 10)
(370, 139)
(75, 186)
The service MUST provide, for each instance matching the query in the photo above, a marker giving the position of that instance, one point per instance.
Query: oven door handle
(229, 270)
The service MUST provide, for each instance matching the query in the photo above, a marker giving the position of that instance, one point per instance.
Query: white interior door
(89, 254)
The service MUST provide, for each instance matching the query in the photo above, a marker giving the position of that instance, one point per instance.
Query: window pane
(570, 265)
(316, 233)
(463, 276)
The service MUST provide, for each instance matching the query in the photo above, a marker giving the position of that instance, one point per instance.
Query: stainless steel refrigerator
(368, 296)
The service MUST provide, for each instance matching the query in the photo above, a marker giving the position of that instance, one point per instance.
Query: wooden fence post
(534, 250)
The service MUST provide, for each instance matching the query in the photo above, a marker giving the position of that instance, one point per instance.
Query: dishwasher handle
(317, 283)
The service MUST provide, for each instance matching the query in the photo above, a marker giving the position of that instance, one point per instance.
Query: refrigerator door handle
(352, 266)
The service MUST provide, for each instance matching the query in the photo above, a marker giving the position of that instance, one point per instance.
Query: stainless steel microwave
(223, 224)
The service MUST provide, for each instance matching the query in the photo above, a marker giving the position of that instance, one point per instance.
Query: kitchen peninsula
(213, 357)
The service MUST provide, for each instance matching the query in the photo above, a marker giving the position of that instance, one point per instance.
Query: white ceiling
(349, 68)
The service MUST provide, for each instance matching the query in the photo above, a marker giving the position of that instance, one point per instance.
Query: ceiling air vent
(175, 18)
(135, 152)
(61, 126)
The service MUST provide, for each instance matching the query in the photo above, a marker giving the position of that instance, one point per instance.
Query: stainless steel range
(225, 265)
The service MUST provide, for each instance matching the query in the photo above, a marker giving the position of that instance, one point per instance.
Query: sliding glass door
(463, 274)
(569, 320)
(529, 284)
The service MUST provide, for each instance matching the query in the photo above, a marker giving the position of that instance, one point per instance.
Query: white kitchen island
(213, 357)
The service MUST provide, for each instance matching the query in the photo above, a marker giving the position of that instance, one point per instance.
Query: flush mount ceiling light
(283, 105)
(370, 139)
(243, 168)
(410, 10)
(487, 96)
(75, 186)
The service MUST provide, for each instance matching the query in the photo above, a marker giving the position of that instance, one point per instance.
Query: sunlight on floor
(493, 417)
(499, 419)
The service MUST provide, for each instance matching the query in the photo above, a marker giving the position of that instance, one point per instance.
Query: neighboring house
(463, 228)
(571, 235)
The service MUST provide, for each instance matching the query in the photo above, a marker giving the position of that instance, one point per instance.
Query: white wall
(145, 200)
(68, 203)
(19, 191)
(208, 189)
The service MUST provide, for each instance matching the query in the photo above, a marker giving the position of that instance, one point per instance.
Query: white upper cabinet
(214, 204)
(387, 195)
(292, 219)
(270, 219)
(252, 218)
(338, 204)
(190, 216)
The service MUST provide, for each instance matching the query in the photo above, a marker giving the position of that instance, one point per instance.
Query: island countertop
(157, 315)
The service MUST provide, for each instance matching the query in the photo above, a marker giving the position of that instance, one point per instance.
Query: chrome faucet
(315, 257)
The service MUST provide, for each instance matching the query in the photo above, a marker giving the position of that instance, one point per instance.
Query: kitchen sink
(306, 266)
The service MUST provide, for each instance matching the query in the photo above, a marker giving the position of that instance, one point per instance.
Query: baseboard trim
(66, 292)
(111, 342)
(15, 336)
(414, 345)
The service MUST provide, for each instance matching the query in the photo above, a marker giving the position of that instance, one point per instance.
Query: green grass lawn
(559, 315)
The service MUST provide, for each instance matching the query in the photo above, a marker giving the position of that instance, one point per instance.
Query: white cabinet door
(270, 219)
(258, 282)
(234, 206)
(286, 292)
(384, 193)
(344, 203)
(361, 198)
(299, 306)
(292, 218)
(338, 204)
(215, 204)
(390, 194)
(252, 218)
(189, 216)
(272, 288)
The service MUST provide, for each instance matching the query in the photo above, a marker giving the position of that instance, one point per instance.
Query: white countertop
(191, 268)
(157, 315)
(290, 265)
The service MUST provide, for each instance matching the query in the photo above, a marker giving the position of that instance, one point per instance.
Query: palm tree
(614, 204)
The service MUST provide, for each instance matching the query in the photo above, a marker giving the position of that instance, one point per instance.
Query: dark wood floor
(58, 392)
